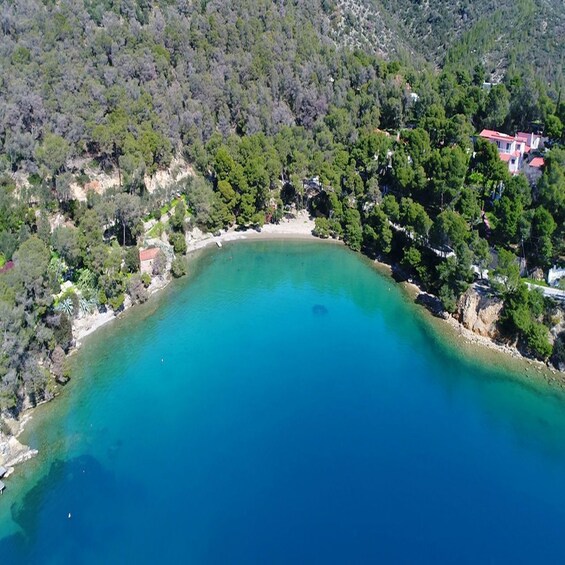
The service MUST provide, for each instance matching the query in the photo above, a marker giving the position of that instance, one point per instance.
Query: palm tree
(66, 306)
(87, 305)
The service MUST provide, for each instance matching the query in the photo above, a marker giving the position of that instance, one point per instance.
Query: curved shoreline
(300, 228)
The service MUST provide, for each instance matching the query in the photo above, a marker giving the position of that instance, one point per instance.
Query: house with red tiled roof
(147, 258)
(512, 148)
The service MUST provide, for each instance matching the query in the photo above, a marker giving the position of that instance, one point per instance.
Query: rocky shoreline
(12, 451)
(475, 322)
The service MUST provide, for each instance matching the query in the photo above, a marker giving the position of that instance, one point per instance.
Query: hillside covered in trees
(275, 109)
(500, 36)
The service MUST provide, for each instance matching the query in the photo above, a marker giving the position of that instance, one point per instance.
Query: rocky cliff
(479, 311)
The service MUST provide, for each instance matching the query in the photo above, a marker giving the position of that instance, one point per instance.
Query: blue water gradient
(287, 405)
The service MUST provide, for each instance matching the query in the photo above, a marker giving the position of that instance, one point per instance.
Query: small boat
(219, 244)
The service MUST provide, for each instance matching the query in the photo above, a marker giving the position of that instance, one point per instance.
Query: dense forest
(507, 34)
(276, 106)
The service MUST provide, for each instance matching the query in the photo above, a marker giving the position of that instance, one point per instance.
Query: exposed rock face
(177, 171)
(101, 181)
(479, 312)
(13, 452)
(558, 322)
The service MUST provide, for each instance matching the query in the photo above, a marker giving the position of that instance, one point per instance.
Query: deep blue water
(288, 405)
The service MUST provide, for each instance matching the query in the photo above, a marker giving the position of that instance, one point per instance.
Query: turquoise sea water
(287, 405)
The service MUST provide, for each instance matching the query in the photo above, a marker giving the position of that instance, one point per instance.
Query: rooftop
(508, 156)
(537, 162)
(521, 137)
(525, 136)
(148, 254)
(491, 134)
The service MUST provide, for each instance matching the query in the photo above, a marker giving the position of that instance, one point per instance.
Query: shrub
(176, 221)
(117, 302)
(558, 357)
(82, 178)
(178, 267)
(159, 264)
(335, 228)
(537, 338)
(321, 228)
(178, 241)
(102, 298)
(62, 329)
(136, 289)
(58, 362)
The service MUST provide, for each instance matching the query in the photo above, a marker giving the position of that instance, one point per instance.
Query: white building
(512, 149)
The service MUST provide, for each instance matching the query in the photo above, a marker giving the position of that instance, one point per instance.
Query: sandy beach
(299, 227)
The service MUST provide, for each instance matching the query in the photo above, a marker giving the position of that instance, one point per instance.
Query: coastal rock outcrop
(557, 322)
(479, 311)
(12, 452)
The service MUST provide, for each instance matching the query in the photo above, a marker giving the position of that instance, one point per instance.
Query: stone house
(147, 258)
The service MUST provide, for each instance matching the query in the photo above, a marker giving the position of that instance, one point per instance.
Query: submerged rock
(319, 310)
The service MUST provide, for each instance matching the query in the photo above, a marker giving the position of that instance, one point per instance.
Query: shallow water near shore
(287, 404)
